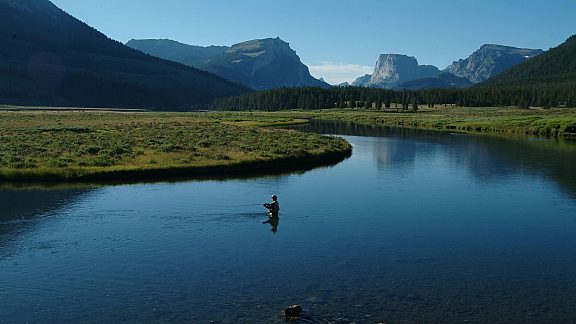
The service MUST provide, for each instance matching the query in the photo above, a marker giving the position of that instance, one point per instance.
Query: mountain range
(395, 71)
(271, 63)
(50, 58)
(547, 80)
(259, 64)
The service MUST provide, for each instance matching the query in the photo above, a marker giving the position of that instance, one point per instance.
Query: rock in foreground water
(293, 311)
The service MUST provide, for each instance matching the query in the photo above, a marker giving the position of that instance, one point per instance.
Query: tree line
(543, 95)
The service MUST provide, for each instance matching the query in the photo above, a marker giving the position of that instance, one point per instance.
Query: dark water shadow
(24, 204)
(23, 212)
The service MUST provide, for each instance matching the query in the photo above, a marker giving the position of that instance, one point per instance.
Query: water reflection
(488, 158)
(25, 204)
(273, 220)
(23, 209)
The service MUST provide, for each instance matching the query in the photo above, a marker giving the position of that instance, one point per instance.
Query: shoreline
(47, 147)
(553, 123)
(242, 169)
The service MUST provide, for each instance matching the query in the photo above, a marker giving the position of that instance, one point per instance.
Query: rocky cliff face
(260, 64)
(490, 60)
(392, 70)
(362, 81)
(263, 64)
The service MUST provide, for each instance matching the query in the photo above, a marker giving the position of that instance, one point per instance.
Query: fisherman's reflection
(273, 220)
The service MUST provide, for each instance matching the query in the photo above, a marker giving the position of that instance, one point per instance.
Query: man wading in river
(274, 207)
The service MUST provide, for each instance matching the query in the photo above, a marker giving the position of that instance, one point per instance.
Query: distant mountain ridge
(396, 71)
(176, 51)
(260, 63)
(490, 60)
(362, 81)
(50, 58)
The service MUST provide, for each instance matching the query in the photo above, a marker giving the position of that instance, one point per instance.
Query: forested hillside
(50, 58)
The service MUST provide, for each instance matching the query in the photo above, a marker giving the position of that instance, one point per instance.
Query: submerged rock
(293, 311)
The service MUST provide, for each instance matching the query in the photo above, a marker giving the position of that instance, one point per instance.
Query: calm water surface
(414, 227)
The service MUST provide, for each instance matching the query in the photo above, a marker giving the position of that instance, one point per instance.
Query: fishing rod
(249, 205)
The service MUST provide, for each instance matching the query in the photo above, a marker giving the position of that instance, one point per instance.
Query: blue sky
(339, 39)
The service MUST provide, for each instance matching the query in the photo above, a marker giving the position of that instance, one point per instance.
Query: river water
(414, 227)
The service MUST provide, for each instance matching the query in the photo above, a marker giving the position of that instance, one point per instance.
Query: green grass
(91, 145)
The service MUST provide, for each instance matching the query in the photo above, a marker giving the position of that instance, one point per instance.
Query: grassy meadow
(92, 145)
(61, 145)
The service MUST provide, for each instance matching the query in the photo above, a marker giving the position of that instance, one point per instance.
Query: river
(416, 226)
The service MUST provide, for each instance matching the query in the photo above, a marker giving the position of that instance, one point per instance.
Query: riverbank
(559, 122)
(55, 146)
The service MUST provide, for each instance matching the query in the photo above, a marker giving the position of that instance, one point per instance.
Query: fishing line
(249, 205)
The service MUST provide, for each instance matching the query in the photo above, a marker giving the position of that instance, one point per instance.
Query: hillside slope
(50, 58)
(554, 67)
(490, 60)
(175, 51)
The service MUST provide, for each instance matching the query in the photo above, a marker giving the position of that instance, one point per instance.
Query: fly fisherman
(274, 207)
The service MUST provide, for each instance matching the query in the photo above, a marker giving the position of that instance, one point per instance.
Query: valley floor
(79, 145)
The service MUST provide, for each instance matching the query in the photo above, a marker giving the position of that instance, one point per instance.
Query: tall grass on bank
(77, 145)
